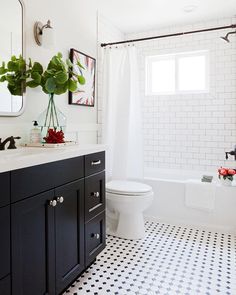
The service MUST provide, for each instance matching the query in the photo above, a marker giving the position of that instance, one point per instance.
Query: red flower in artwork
(54, 136)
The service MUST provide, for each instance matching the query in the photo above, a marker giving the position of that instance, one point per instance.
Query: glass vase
(226, 181)
(51, 118)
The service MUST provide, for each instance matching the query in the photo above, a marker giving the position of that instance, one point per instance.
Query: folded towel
(200, 195)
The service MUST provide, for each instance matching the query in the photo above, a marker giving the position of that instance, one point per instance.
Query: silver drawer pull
(60, 200)
(53, 203)
(95, 194)
(97, 236)
(94, 163)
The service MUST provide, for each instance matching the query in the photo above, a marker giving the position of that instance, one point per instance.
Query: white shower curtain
(122, 123)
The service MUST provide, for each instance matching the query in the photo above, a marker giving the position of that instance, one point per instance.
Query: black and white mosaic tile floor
(170, 260)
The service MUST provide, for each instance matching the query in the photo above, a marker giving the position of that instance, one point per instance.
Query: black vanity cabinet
(57, 223)
(5, 283)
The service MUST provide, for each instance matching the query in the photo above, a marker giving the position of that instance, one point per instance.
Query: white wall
(191, 131)
(75, 26)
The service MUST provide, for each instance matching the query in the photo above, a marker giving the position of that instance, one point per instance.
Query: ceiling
(140, 15)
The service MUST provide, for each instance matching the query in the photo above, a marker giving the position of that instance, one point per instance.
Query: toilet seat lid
(125, 187)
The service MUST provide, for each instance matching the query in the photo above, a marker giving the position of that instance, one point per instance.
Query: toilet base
(126, 202)
(130, 226)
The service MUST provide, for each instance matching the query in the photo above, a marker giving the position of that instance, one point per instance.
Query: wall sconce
(43, 34)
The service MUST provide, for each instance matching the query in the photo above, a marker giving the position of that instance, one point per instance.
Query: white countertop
(24, 157)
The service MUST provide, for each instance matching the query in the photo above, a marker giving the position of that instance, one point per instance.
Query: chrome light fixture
(226, 37)
(43, 34)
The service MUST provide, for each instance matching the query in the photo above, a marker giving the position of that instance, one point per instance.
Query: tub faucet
(232, 153)
(12, 143)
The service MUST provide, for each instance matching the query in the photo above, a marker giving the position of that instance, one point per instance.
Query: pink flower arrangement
(226, 173)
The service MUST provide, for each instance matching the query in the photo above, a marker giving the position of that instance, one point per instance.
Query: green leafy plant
(15, 74)
(58, 78)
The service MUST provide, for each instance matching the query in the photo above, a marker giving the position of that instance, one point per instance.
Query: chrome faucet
(232, 153)
(12, 143)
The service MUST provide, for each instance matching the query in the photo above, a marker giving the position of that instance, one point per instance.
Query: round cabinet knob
(97, 236)
(60, 200)
(53, 203)
(95, 194)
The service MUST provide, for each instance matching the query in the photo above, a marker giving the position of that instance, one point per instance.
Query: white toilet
(126, 201)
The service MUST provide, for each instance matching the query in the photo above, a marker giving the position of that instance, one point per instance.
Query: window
(177, 73)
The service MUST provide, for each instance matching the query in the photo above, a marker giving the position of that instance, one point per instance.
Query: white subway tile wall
(191, 131)
(188, 131)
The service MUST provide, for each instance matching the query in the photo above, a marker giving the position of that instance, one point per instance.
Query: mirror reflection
(11, 32)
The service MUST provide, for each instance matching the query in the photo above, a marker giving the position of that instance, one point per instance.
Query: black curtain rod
(233, 26)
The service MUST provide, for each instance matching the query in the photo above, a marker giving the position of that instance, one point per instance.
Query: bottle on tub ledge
(35, 134)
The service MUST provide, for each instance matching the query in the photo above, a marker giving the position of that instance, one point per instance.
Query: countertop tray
(50, 145)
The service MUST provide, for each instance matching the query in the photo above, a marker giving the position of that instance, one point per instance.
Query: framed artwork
(85, 94)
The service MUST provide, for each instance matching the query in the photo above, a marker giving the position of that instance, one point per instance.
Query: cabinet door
(95, 238)
(5, 286)
(69, 225)
(5, 241)
(33, 262)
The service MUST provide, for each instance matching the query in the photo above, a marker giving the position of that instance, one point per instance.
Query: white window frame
(175, 57)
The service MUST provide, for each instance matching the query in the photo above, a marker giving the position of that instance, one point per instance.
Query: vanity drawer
(95, 238)
(94, 195)
(31, 181)
(37, 179)
(5, 189)
(69, 170)
(94, 163)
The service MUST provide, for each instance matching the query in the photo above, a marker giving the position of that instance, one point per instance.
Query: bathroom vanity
(52, 218)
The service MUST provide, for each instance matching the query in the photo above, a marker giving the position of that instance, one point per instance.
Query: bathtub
(169, 201)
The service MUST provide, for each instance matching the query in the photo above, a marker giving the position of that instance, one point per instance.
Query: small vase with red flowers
(226, 175)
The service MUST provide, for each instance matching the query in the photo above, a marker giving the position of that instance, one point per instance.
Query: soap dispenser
(35, 134)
